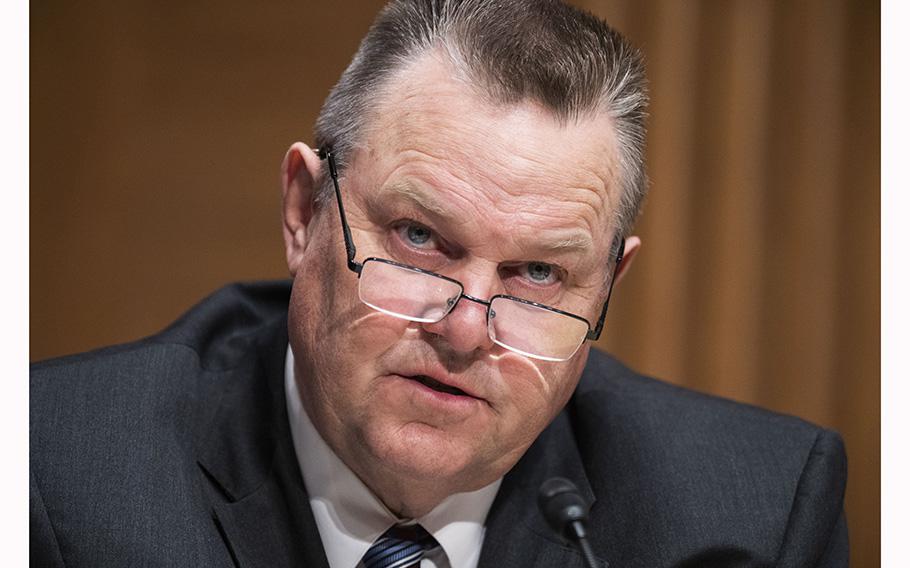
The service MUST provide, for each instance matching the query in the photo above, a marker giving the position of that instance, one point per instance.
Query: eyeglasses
(414, 294)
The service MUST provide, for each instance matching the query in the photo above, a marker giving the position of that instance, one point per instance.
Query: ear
(633, 244)
(300, 177)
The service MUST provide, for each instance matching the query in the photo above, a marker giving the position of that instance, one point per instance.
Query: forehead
(436, 136)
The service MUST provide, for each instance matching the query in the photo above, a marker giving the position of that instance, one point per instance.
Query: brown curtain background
(157, 130)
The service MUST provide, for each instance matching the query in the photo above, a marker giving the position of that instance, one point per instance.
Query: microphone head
(561, 504)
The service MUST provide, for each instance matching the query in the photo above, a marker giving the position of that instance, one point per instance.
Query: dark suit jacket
(176, 451)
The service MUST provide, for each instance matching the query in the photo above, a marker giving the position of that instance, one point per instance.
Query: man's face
(504, 199)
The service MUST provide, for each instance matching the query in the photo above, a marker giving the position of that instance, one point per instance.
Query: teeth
(436, 385)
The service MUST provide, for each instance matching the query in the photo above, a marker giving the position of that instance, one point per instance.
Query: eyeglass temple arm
(326, 154)
(594, 334)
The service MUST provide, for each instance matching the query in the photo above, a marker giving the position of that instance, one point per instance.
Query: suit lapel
(259, 503)
(516, 532)
(271, 527)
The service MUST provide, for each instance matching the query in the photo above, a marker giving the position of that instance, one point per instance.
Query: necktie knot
(402, 546)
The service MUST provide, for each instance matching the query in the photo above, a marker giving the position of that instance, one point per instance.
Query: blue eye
(418, 234)
(538, 271)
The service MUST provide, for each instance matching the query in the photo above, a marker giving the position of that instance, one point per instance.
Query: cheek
(336, 338)
(535, 392)
(336, 341)
(335, 328)
(313, 301)
(367, 334)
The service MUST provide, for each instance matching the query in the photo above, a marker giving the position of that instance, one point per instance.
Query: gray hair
(545, 51)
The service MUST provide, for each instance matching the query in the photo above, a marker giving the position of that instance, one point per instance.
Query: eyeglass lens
(536, 331)
(402, 292)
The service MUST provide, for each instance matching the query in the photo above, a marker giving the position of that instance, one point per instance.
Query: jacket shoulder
(207, 329)
(609, 388)
(115, 433)
(169, 369)
(163, 375)
(703, 470)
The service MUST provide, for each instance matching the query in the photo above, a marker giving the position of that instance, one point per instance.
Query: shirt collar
(350, 517)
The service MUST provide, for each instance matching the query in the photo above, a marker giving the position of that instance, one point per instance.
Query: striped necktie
(402, 546)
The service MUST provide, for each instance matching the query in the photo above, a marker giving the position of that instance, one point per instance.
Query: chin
(423, 453)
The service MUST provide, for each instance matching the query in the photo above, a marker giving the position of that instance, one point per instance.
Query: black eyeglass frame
(593, 334)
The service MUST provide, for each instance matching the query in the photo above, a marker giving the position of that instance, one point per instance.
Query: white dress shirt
(350, 517)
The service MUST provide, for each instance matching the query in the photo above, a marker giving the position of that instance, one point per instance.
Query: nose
(465, 327)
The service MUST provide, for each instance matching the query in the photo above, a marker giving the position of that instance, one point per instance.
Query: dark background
(157, 130)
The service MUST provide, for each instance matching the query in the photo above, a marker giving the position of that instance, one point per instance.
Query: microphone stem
(580, 536)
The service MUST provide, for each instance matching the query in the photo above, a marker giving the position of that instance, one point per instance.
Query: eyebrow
(575, 242)
(417, 196)
(567, 241)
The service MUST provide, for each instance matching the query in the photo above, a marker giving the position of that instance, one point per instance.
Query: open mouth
(437, 386)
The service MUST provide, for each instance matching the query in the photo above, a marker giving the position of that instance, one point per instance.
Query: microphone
(566, 512)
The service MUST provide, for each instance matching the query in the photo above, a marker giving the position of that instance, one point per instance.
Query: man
(454, 236)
